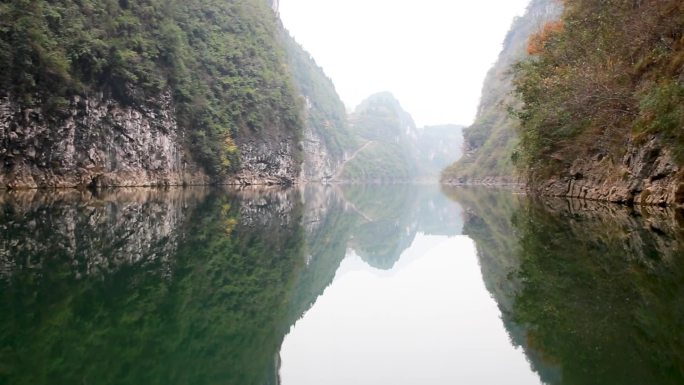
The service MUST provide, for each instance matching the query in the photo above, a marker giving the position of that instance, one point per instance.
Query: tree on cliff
(609, 73)
(220, 60)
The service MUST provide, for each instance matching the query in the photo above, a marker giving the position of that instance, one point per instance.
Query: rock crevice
(99, 142)
(647, 174)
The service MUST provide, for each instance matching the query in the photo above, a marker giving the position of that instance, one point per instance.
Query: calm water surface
(337, 285)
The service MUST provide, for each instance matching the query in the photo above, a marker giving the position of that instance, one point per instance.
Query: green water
(213, 286)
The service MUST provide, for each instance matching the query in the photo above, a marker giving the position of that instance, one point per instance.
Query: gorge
(187, 198)
(243, 105)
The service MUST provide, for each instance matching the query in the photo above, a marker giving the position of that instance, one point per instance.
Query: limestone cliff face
(99, 142)
(319, 164)
(267, 160)
(88, 101)
(647, 174)
(326, 140)
(607, 132)
(95, 141)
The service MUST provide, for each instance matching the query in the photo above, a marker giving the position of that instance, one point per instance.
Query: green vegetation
(490, 142)
(325, 113)
(384, 128)
(602, 294)
(220, 60)
(592, 293)
(204, 303)
(607, 73)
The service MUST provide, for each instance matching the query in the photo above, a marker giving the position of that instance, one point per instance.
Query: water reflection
(169, 286)
(146, 287)
(594, 293)
(377, 222)
(427, 320)
(203, 285)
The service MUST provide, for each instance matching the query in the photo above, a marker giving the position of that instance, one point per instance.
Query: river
(354, 284)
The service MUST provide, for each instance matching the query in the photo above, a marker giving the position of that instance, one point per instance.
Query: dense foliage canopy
(608, 72)
(220, 60)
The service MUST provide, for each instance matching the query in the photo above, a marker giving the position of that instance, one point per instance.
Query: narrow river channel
(352, 284)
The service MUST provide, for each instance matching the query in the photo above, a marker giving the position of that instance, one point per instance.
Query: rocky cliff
(135, 94)
(647, 174)
(595, 113)
(327, 139)
(490, 141)
(95, 141)
(602, 103)
(99, 142)
(384, 130)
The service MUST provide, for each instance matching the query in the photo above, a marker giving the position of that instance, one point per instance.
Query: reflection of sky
(428, 320)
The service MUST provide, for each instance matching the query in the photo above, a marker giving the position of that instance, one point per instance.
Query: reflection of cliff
(159, 288)
(183, 286)
(387, 224)
(488, 221)
(377, 222)
(327, 224)
(604, 291)
(393, 215)
(593, 293)
(97, 234)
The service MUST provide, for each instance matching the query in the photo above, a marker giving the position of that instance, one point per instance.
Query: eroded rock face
(319, 164)
(267, 161)
(95, 141)
(99, 142)
(647, 174)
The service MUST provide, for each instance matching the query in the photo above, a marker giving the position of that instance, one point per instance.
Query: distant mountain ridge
(393, 148)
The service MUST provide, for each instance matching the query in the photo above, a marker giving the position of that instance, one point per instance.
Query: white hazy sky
(431, 54)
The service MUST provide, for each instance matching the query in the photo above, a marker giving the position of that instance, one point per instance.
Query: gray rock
(647, 174)
(100, 142)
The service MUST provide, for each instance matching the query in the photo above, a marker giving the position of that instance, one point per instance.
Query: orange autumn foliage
(537, 41)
